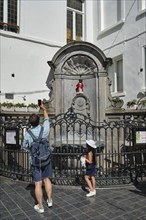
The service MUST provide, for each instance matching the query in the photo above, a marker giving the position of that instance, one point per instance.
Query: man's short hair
(34, 120)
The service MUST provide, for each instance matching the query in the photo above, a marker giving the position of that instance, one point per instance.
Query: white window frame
(5, 14)
(5, 8)
(144, 67)
(101, 17)
(74, 11)
(141, 5)
(115, 91)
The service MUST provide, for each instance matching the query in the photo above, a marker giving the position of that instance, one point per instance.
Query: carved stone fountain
(86, 62)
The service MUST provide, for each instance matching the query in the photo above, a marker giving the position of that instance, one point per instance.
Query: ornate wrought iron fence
(119, 160)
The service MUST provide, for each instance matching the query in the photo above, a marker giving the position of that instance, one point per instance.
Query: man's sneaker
(91, 193)
(50, 203)
(38, 209)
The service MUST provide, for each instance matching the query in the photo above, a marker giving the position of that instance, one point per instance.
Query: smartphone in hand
(39, 102)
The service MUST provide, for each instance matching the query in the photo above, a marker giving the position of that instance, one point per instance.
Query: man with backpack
(36, 140)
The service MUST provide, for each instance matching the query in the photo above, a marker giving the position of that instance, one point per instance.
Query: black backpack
(39, 150)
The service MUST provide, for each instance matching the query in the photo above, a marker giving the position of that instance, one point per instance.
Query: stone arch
(74, 61)
(80, 46)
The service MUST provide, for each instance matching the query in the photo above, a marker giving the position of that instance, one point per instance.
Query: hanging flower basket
(7, 106)
(132, 104)
(33, 107)
(20, 107)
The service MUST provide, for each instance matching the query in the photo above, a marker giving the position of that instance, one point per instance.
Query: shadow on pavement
(31, 188)
(141, 188)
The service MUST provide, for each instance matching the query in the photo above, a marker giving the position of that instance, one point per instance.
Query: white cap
(91, 143)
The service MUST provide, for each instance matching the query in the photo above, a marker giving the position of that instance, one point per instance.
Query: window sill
(143, 89)
(111, 28)
(140, 14)
(118, 94)
(9, 27)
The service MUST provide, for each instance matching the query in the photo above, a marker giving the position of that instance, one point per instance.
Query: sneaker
(38, 209)
(50, 203)
(91, 193)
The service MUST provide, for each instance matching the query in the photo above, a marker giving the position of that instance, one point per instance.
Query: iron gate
(119, 159)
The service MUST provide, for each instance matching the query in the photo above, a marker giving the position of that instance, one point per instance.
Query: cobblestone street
(117, 203)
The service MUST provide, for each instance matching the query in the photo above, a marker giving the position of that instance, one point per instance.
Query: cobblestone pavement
(127, 202)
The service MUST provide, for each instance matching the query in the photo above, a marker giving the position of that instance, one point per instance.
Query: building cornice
(30, 39)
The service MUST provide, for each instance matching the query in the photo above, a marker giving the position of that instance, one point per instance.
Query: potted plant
(32, 107)
(20, 107)
(7, 106)
(132, 104)
(142, 104)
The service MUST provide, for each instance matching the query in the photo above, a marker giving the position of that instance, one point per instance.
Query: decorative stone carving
(81, 104)
(141, 104)
(116, 102)
(51, 92)
(79, 65)
(48, 106)
(74, 61)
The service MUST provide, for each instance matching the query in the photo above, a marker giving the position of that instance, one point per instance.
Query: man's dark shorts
(41, 173)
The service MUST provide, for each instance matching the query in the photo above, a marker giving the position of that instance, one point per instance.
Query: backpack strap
(41, 132)
(33, 136)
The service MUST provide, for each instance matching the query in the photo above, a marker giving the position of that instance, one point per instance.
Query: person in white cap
(90, 167)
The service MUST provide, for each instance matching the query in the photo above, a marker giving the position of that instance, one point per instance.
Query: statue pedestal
(111, 110)
(51, 111)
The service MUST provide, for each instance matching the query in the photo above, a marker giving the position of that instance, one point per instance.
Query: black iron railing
(119, 159)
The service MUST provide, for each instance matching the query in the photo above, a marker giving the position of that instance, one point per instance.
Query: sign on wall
(139, 136)
(12, 138)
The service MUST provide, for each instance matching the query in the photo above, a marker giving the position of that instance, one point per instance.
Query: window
(144, 66)
(107, 18)
(141, 5)
(116, 75)
(1, 10)
(9, 15)
(145, 63)
(75, 20)
(119, 75)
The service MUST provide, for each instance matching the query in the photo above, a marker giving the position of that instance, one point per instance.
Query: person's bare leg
(48, 188)
(39, 193)
(93, 182)
(89, 183)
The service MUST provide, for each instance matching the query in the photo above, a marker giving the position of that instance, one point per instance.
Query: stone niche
(75, 62)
